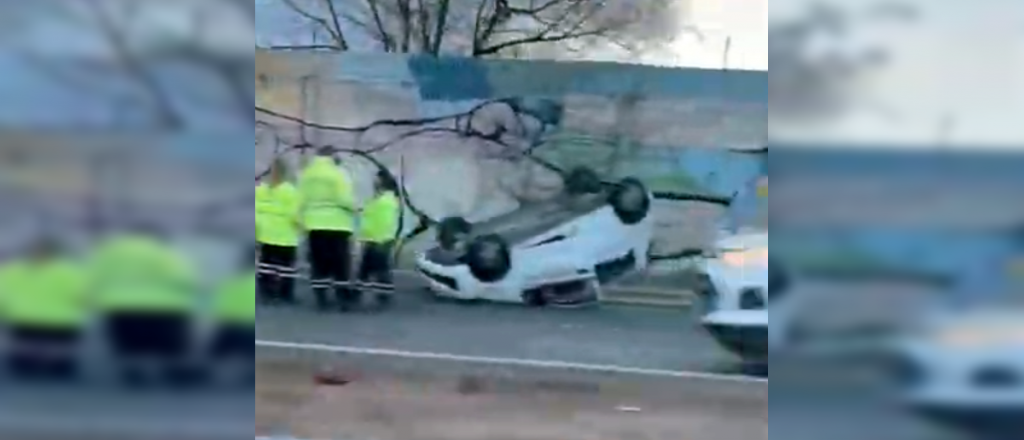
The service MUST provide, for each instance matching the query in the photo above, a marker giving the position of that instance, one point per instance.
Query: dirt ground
(288, 403)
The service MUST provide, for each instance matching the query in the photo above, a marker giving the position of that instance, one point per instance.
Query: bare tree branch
(336, 23)
(327, 25)
(130, 71)
(117, 39)
(378, 20)
(440, 26)
(496, 27)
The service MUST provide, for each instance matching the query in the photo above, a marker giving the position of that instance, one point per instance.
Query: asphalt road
(630, 337)
(627, 337)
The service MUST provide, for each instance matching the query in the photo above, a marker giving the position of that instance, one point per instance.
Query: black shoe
(383, 301)
(349, 299)
(266, 288)
(136, 379)
(286, 293)
(322, 303)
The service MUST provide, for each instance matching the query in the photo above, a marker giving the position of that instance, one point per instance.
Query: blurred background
(120, 127)
(894, 123)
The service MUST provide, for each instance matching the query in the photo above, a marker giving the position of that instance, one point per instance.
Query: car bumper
(961, 377)
(1001, 421)
(448, 281)
(723, 278)
(457, 282)
(748, 340)
(963, 396)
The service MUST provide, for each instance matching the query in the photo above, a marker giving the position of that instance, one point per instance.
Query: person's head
(385, 182)
(278, 171)
(144, 228)
(44, 248)
(328, 152)
(325, 151)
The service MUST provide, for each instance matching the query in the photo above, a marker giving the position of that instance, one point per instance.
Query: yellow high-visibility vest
(236, 301)
(379, 223)
(141, 274)
(326, 197)
(45, 294)
(277, 215)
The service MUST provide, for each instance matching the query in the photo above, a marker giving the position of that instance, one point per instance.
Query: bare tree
(485, 28)
(129, 45)
(805, 83)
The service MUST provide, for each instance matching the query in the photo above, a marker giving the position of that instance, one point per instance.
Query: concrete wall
(64, 181)
(954, 213)
(483, 138)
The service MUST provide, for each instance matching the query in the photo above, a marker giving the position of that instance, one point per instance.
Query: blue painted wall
(982, 261)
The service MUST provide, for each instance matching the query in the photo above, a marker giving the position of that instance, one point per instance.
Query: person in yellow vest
(327, 208)
(277, 233)
(378, 230)
(235, 315)
(42, 301)
(147, 295)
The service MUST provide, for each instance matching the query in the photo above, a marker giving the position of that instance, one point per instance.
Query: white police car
(966, 372)
(739, 290)
(557, 253)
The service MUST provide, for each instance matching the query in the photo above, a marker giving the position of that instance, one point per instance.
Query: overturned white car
(739, 287)
(966, 372)
(557, 253)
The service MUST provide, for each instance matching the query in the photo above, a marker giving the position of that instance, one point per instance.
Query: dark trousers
(376, 274)
(330, 258)
(232, 351)
(149, 346)
(43, 353)
(276, 273)
(234, 342)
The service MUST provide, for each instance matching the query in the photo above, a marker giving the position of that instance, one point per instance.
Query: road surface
(633, 337)
(625, 337)
(565, 404)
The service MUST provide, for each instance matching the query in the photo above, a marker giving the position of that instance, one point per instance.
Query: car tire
(631, 201)
(451, 230)
(779, 282)
(489, 258)
(707, 297)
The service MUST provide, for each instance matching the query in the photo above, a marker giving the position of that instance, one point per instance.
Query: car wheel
(489, 258)
(707, 297)
(778, 281)
(631, 201)
(451, 231)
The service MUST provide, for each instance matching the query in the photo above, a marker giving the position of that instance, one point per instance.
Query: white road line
(511, 362)
(285, 438)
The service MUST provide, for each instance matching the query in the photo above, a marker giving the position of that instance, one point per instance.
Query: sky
(55, 29)
(962, 61)
(743, 20)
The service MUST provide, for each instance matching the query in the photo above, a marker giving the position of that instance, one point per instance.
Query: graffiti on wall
(507, 155)
(495, 157)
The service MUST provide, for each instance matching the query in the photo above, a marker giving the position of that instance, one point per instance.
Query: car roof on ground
(535, 219)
